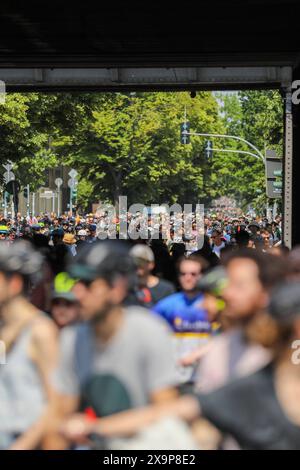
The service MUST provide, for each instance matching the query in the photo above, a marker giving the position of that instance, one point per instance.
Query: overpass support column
(295, 161)
(288, 208)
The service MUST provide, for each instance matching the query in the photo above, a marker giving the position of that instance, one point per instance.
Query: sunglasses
(85, 282)
(62, 302)
(188, 274)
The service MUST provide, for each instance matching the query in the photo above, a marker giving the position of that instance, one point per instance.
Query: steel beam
(216, 77)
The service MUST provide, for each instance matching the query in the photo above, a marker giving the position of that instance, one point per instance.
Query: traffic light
(74, 193)
(25, 193)
(13, 187)
(7, 197)
(184, 129)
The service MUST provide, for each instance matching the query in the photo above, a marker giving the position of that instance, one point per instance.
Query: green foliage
(131, 147)
(256, 116)
(128, 144)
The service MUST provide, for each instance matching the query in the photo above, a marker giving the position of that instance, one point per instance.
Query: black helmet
(20, 258)
(214, 281)
(284, 303)
(105, 259)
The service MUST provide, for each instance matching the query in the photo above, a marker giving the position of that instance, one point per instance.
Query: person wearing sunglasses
(185, 314)
(217, 241)
(64, 305)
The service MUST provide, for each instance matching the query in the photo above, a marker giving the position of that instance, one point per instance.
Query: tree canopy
(129, 143)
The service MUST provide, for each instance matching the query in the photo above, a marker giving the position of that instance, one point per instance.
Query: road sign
(47, 194)
(273, 167)
(271, 153)
(73, 173)
(273, 175)
(58, 182)
(8, 166)
(8, 176)
(72, 183)
(272, 190)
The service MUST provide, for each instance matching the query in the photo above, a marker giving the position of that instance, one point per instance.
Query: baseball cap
(58, 232)
(142, 252)
(253, 223)
(103, 259)
(63, 285)
(3, 229)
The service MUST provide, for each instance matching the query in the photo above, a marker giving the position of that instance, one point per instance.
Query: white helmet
(82, 233)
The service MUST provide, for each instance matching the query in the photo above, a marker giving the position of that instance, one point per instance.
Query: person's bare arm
(43, 351)
(130, 422)
(195, 356)
(164, 395)
(63, 407)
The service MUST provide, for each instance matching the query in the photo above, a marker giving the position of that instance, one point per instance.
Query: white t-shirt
(217, 249)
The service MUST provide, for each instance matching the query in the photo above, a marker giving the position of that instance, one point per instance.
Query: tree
(132, 147)
(128, 143)
(34, 129)
(256, 116)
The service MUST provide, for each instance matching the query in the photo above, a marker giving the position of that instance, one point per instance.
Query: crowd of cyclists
(131, 344)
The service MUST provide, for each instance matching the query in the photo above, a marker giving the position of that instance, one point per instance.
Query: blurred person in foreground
(118, 358)
(151, 289)
(30, 339)
(293, 260)
(261, 411)
(185, 314)
(251, 275)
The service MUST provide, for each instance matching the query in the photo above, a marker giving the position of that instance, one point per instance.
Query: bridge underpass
(106, 48)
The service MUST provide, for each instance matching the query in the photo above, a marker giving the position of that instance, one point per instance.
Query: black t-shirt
(248, 410)
(149, 296)
(161, 290)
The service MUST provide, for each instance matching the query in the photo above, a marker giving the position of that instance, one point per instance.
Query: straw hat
(69, 239)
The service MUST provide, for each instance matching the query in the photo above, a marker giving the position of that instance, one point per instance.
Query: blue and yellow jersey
(184, 315)
(190, 326)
